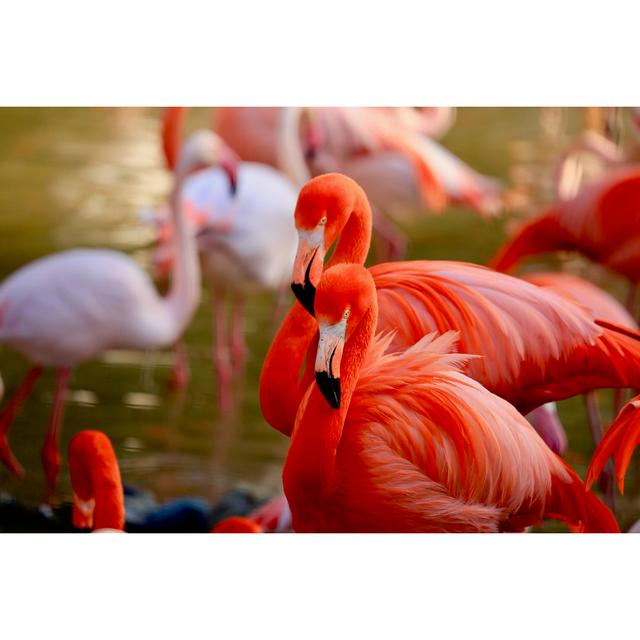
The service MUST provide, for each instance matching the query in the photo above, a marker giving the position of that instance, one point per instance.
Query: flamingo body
(257, 250)
(414, 445)
(67, 308)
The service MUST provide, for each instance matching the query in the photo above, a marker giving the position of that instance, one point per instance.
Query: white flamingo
(242, 216)
(67, 308)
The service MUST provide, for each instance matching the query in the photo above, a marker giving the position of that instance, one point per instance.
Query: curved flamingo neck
(355, 238)
(184, 293)
(310, 467)
(96, 482)
(281, 384)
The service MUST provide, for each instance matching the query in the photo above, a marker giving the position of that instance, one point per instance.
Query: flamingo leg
(50, 454)
(8, 415)
(221, 356)
(181, 373)
(238, 341)
(597, 432)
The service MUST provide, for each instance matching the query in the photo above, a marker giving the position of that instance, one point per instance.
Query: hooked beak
(229, 163)
(307, 267)
(328, 358)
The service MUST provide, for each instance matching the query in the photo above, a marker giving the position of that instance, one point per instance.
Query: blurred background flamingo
(68, 308)
(244, 227)
(387, 150)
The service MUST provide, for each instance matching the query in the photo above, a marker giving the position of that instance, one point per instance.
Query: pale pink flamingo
(402, 171)
(242, 217)
(67, 308)
(387, 150)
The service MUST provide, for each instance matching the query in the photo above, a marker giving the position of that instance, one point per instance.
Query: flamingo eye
(346, 314)
(323, 221)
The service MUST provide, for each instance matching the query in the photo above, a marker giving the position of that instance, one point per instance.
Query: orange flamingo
(601, 222)
(98, 496)
(406, 443)
(538, 347)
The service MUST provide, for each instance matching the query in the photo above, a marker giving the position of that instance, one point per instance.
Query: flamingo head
(344, 297)
(206, 149)
(324, 206)
(237, 524)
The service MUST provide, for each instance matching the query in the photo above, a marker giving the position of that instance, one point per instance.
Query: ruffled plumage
(537, 346)
(437, 452)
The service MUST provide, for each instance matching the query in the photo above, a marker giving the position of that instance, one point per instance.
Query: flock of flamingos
(403, 387)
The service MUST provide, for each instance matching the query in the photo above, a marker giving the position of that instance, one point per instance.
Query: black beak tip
(305, 294)
(233, 187)
(329, 387)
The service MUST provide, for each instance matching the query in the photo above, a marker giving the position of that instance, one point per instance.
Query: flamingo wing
(518, 327)
(437, 445)
(582, 292)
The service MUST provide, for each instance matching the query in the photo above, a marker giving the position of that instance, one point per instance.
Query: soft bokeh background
(79, 177)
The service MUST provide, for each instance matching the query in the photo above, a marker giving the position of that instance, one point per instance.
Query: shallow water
(78, 177)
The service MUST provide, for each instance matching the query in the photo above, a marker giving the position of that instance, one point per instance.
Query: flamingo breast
(257, 249)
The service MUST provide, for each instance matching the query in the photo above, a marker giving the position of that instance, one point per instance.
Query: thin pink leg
(221, 356)
(181, 373)
(238, 341)
(50, 453)
(7, 416)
